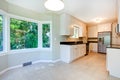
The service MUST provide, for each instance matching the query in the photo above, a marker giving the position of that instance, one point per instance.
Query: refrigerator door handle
(103, 40)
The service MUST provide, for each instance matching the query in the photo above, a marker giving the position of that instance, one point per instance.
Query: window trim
(4, 14)
(40, 32)
(25, 19)
(39, 48)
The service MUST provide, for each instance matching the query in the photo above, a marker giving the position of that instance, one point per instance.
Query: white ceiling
(85, 10)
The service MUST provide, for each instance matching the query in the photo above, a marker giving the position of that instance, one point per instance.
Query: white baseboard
(10, 68)
(54, 61)
(5, 70)
(34, 62)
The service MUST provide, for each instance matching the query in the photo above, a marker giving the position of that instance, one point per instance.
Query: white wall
(3, 62)
(3, 5)
(56, 37)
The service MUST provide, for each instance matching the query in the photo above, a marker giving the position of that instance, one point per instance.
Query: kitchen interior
(94, 38)
(80, 40)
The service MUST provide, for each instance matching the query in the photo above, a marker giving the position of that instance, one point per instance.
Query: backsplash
(83, 39)
(73, 39)
(115, 37)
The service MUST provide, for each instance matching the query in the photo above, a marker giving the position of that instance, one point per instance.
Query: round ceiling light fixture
(54, 5)
(98, 20)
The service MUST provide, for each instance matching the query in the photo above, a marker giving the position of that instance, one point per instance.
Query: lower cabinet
(71, 52)
(93, 47)
(113, 61)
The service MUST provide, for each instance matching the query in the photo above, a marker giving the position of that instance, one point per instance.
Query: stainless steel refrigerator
(104, 40)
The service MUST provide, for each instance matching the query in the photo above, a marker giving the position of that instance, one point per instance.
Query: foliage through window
(1, 33)
(23, 34)
(46, 35)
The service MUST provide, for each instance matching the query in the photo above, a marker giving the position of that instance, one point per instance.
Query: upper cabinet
(118, 12)
(80, 31)
(71, 26)
(92, 31)
(65, 25)
(104, 27)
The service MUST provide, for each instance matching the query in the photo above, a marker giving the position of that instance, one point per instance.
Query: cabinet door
(74, 52)
(104, 27)
(65, 25)
(72, 55)
(80, 32)
(82, 49)
(113, 62)
(118, 7)
(93, 47)
(77, 51)
(65, 52)
(92, 31)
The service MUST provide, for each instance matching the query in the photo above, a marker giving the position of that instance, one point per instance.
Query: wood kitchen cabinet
(71, 52)
(80, 32)
(118, 12)
(113, 60)
(65, 24)
(93, 47)
(104, 27)
(92, 31)
(68, 25)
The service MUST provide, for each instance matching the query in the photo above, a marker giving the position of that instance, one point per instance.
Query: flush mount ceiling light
(98, 20)
(54, 5)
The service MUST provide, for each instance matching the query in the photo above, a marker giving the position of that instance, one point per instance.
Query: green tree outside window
(23, 34)
(46, 35)
(1, 33)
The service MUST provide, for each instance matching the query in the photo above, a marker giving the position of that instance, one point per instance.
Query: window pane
(23, 34)
(45, 35)
(76, 32)
(1, 33)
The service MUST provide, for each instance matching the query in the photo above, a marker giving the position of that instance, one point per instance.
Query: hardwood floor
(90, 67)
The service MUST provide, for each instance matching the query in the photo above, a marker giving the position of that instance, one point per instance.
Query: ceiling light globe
(54, 5)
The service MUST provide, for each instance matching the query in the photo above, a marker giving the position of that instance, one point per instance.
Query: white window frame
(28, 49)
(75, 27)
(5, 43)
(45, 22)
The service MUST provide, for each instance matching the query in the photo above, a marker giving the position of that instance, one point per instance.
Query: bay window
(24, 33)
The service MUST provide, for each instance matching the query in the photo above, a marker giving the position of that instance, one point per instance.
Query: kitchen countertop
(116, 46)
(71, 42)
(92, 41)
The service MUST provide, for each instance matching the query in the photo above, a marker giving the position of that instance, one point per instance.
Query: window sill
(29, 50)
(24, 50)
(3, 53)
